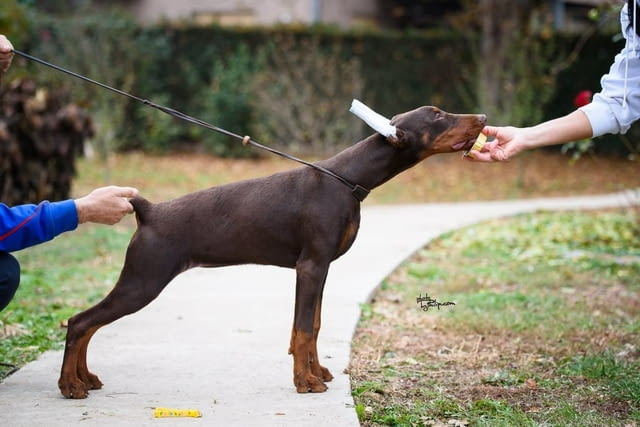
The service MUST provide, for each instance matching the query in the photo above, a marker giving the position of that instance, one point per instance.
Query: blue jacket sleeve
(27, 225)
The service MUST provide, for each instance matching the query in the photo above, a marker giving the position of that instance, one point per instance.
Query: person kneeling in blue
(28, 225)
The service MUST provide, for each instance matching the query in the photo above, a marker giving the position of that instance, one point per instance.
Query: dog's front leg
(310, 278)
(316, 368)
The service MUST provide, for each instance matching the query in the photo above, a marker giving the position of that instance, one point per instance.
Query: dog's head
(429, 130)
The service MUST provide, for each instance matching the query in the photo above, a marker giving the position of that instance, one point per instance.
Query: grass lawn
(545, 326)
(544, 331)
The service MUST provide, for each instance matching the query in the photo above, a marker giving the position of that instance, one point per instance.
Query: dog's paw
(73, 389)
(326, 375)
(91, 380)
(321, 372)
(309, 384)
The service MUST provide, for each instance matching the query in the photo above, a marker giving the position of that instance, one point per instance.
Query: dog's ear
(400, 140)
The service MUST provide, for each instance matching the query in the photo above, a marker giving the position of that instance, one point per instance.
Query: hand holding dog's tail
(141, 207)
(106, 205)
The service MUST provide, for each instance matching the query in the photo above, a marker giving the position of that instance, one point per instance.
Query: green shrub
(302, 99)
(226, 104)
(106, 47)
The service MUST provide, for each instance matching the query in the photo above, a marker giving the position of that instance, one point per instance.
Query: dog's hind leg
(89, 379)
(309, 282)
(143, 277)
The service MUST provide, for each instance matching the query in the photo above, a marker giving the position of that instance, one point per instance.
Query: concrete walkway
(216, 340)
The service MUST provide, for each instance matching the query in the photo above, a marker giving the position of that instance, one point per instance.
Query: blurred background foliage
(291, 86)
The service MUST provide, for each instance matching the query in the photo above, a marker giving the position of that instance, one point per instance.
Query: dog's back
(260, 221)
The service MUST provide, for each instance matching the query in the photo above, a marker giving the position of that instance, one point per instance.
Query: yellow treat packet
(172, 412)
(480, 141)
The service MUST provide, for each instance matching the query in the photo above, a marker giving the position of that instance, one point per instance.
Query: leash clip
(359, 192)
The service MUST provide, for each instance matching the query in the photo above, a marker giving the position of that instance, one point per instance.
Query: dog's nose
(482, 118)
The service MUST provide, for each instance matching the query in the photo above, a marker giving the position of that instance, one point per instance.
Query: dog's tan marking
(303, 378)
(348, 237)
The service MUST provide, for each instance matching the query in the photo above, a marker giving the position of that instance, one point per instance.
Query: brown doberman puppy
(302, 219)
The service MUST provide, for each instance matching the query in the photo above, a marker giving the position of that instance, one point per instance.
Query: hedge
(208, 72)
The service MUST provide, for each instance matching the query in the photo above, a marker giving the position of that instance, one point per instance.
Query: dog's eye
(437, 115)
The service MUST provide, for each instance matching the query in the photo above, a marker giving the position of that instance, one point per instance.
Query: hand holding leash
(6, 53)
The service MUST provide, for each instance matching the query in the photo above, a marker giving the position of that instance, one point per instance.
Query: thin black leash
(358, 191)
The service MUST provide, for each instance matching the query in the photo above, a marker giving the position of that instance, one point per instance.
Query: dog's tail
(142, 207)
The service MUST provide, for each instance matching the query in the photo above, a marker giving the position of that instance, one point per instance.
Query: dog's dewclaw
(480, 141)
(171, 412)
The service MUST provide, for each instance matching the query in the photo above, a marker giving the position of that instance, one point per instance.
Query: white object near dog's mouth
(376, 121)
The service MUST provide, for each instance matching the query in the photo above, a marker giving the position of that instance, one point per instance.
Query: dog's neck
(371, 162)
